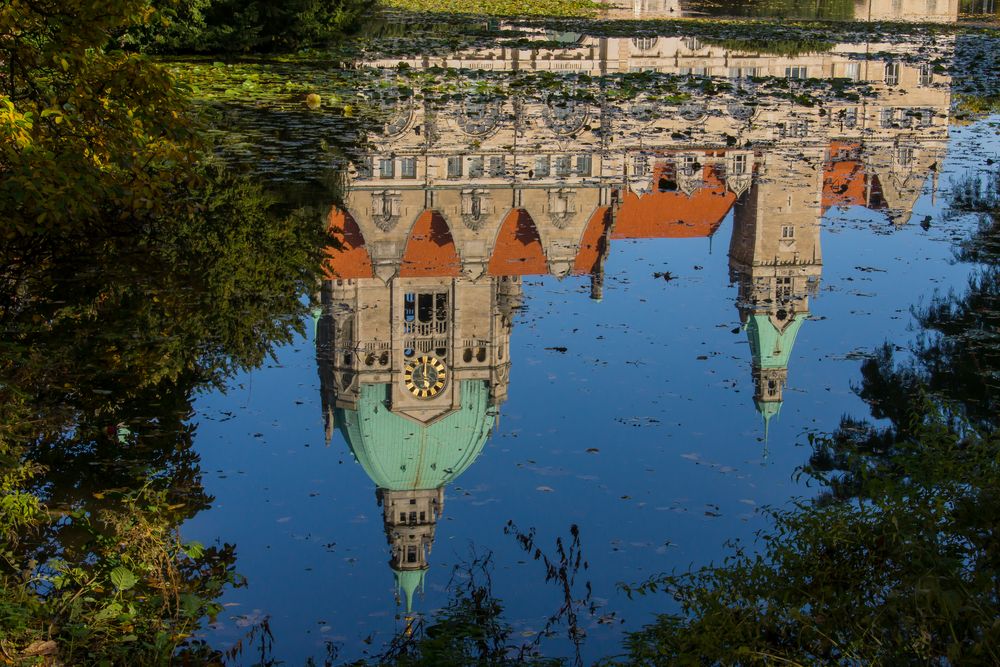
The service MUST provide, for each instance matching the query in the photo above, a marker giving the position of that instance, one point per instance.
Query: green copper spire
(316, 314)
(767, 410)
(407, 582)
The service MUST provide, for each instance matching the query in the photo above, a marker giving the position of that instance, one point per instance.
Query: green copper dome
(772, 348)
(400, 454)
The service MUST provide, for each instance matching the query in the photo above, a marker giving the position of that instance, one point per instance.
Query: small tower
(410, 518)
(775, 259)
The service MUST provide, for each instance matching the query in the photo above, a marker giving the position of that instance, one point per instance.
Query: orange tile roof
(518, 249)
(847, 182)
(843, 176)
(594, 241)
(430, 250)
(658, 215)
(350, 259)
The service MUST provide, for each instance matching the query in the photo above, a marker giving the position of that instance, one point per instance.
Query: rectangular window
(387, 168)
(904, 155)
(542, 166)
(888, 117)
(742, 72)
(641, 165)
(797, 72)
(364, 168)
(584, 167)
(852, 71)
(892, 74)
(411, 554)
(409, 306)
(425, 307)
(476, 167)
(441, 306)
(408, 167)
(795, 128)
(850, 118)
(926, 76)
(497, 167)
(740, 164)
(425, 313)
(787, 232)
(564, 166)
(784, 289)
(455, 167)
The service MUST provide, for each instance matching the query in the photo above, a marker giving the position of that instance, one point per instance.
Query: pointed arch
(518, 249)
(594, 243)
(347, 257)
(430, 250)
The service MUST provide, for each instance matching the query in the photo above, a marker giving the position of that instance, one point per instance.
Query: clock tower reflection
(412, 371)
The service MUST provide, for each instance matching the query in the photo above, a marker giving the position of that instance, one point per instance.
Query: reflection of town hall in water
(454, 204)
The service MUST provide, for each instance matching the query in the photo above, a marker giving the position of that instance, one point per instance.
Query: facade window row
(902, 117)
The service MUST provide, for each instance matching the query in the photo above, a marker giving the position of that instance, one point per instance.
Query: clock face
(424, 376)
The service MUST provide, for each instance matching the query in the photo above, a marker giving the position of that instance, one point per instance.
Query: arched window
(644, 43)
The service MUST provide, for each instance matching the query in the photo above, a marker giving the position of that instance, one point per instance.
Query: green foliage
(123, 590)
(500, 7)
(242, 26)
(134, 274)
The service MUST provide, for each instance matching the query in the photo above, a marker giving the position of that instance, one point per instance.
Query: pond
(594, 287)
